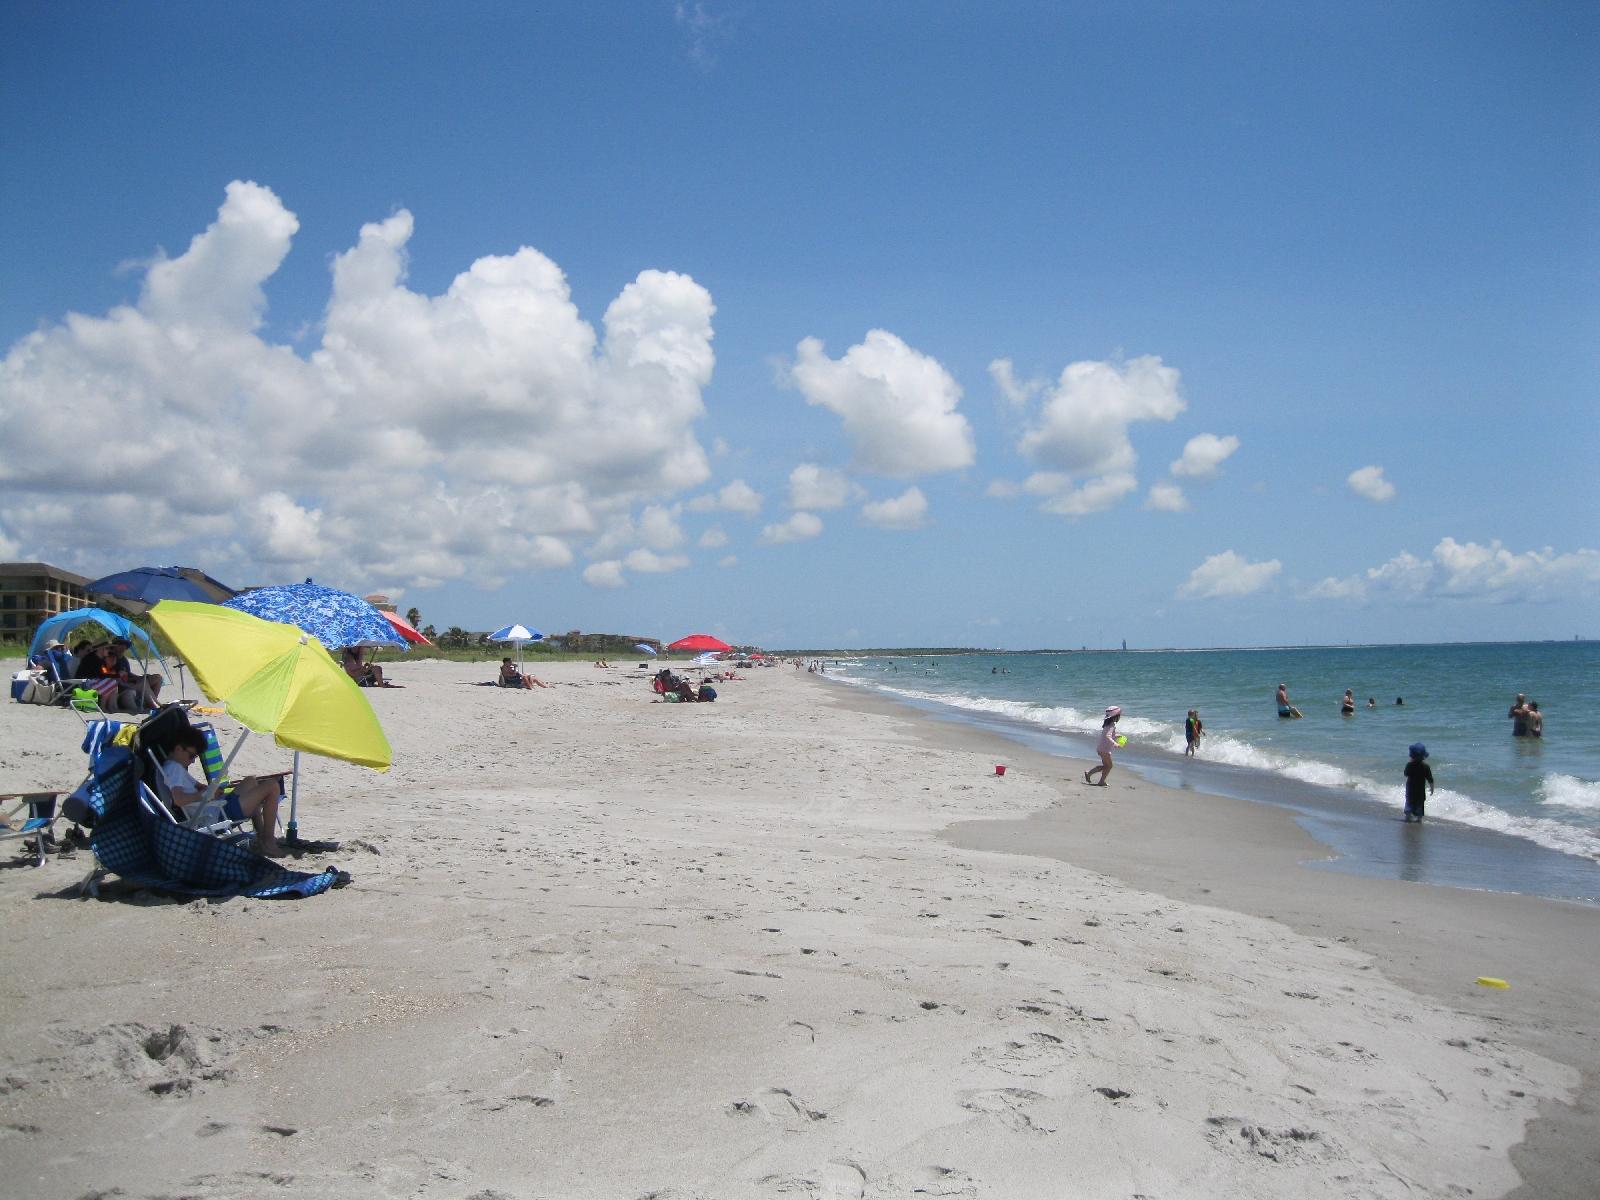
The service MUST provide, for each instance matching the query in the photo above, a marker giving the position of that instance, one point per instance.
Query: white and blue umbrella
(520, 635)
(336, 619)
(650, 650)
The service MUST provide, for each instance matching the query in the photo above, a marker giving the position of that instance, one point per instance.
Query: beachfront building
(31, 593)
(381, 603)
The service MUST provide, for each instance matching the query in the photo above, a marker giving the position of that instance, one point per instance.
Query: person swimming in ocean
(1372, 702)
(1347, 706)
(1285, 709)
(1419, 782)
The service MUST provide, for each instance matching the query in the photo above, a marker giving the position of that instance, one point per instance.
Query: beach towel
(145, 848)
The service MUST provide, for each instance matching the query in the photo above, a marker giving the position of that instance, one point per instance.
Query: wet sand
(1433, 940)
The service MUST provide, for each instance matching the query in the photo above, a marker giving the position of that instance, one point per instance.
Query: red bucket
(999, 770)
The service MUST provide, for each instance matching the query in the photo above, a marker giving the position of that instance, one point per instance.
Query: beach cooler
(20, 683)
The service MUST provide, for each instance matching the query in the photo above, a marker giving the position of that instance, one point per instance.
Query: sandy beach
(798, 943)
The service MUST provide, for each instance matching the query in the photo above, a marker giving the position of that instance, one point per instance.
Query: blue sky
(1360, 238)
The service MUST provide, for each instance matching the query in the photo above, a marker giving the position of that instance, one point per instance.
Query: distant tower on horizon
(1124, 643)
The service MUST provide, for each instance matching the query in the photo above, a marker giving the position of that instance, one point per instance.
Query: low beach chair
(39, 823)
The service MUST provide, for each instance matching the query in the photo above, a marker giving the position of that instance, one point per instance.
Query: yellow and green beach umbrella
(275, 679)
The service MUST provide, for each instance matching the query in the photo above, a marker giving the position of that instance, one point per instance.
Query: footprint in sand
(1286, 1147)
(1007, 1105)
(777, 1106)
(1036, 1054)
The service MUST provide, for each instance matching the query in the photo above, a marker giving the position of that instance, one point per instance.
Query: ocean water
(1542, 791)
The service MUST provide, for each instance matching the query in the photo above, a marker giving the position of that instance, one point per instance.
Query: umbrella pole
(292, 834)
(211, 788)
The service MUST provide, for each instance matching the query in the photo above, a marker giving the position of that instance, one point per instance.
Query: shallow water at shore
(1505, 801)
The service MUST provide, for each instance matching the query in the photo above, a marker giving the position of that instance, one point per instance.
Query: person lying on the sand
(250, 797)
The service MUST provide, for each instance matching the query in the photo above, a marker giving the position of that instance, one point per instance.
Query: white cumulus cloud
(1081, 431)
(1016, 394)
(1166, 497)
(1468, 571)
(798, 528)
(737, 497)
(712, 538)
(1369, 483)
(811, 486)
(648, 562)
(898, 405)
(909, 510)
(1203, 455)
(606, 574)
(731, 560)
(481, 431)
(1229, 574)
(1096, 494)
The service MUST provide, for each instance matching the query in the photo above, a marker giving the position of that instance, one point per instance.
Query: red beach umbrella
(699, 641)
(405, 629)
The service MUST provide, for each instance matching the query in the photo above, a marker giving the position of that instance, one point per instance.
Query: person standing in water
(1535, 720)
(1347, 706)
(1419, 776)
(1285, 709)
(1193, 731)
(1107, 743)
(1519, 716)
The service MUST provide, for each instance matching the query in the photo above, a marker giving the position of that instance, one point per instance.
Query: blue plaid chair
(135, 839)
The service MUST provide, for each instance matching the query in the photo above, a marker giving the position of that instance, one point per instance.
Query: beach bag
(707, 692)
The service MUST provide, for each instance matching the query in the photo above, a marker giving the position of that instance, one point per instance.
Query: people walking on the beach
(1347, 706)
(1107, 743)
(1285, 709)
(1535, 720)
(1193, 731)
(1519, 716)
(1419, 776)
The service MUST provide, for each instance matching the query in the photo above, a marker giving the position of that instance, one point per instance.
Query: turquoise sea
(1538, 792)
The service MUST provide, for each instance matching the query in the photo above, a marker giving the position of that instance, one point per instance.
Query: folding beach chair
(38, 824)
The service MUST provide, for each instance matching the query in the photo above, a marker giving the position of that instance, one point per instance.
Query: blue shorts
(230, 807)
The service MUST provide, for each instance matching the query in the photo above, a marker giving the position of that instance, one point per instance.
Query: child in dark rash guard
(1419, 776)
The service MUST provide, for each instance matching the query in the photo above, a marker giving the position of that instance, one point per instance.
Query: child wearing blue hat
(1419, 775)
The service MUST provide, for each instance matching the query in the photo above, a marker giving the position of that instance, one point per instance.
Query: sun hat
(52, 644)
(1114, 711)
(1418, 750)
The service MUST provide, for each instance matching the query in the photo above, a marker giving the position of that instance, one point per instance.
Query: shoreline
(1489, 846)
(1255, 858)
(596, 946)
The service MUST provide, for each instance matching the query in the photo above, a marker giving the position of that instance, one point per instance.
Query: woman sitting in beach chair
(512, 678)
(366, 674)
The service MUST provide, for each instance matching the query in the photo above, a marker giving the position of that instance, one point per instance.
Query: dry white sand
(602, 947)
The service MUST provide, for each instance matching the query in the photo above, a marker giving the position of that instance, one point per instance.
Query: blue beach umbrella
(650, 650)
(142, 588)
(336, 619)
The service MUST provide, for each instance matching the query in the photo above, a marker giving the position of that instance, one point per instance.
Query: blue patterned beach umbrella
(336, 619)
